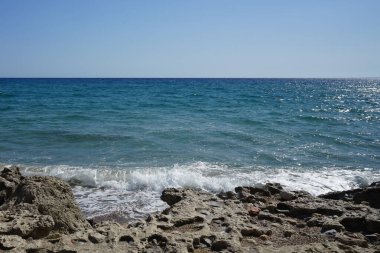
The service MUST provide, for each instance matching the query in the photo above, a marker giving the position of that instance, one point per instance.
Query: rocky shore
(39, 214)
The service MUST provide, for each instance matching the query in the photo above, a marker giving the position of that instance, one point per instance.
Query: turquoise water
(129, 138)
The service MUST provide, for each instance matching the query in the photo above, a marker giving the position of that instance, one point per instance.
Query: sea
(122, 141)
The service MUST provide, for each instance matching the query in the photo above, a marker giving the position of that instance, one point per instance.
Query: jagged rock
(8, 242)
(9, 179)
(369, 195)
(274, 188)
(171, 196)
(331, 224)
(49, 199)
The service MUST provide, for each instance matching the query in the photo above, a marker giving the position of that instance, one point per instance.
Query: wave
(135, 192)
(212, 177)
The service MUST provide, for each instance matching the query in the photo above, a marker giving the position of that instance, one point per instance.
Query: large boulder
(46, 196)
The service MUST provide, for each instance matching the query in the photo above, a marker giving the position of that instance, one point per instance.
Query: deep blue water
(146, 134)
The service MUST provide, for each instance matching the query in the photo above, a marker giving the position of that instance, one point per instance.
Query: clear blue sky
(194, 38)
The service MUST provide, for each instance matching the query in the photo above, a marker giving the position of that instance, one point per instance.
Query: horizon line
(190, 77)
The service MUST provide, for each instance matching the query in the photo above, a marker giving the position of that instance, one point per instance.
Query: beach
(40, 214)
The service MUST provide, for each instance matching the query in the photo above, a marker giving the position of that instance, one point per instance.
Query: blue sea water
(127, 139)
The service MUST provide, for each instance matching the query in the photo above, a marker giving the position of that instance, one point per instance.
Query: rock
(288, 233)
(8, 242)
(96, 237)
(255, 231)
(227, 195)
(307, 206)
(10, 177)
(354, 224)
(369, 195)
(285, 196)
(270, 217)
(253, 211)
(352, 241)
(220, 245)
(328, 225)
(171, 196)
(331, 232)
(372, 223)
(316, 221)
(261, 191)
(49, 196)
(372, 237)
(274, 188)
(196, 221)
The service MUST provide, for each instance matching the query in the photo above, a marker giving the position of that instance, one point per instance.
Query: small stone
(206, 241)
(264, 237)
(255, 231)
(288, 233)
(286, 196)
(331, 232)
(96, 237)
(253, 211)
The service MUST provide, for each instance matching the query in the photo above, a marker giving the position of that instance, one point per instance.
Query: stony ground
(39, 214)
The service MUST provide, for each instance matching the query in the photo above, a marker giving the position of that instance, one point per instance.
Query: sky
(193, 38)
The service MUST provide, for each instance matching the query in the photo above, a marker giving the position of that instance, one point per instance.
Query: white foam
(136, 191)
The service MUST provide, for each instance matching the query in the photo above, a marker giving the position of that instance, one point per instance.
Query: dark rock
(288, 233)
(274, 188)
(259, 190)
(171, 196)
(220, 245)
(370, 195)
(9, 179)
(354, 224)
(158, 239)
(372, 238)
(227, 195)
(372, 223)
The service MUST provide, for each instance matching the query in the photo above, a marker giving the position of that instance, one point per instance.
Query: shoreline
(40, 214)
